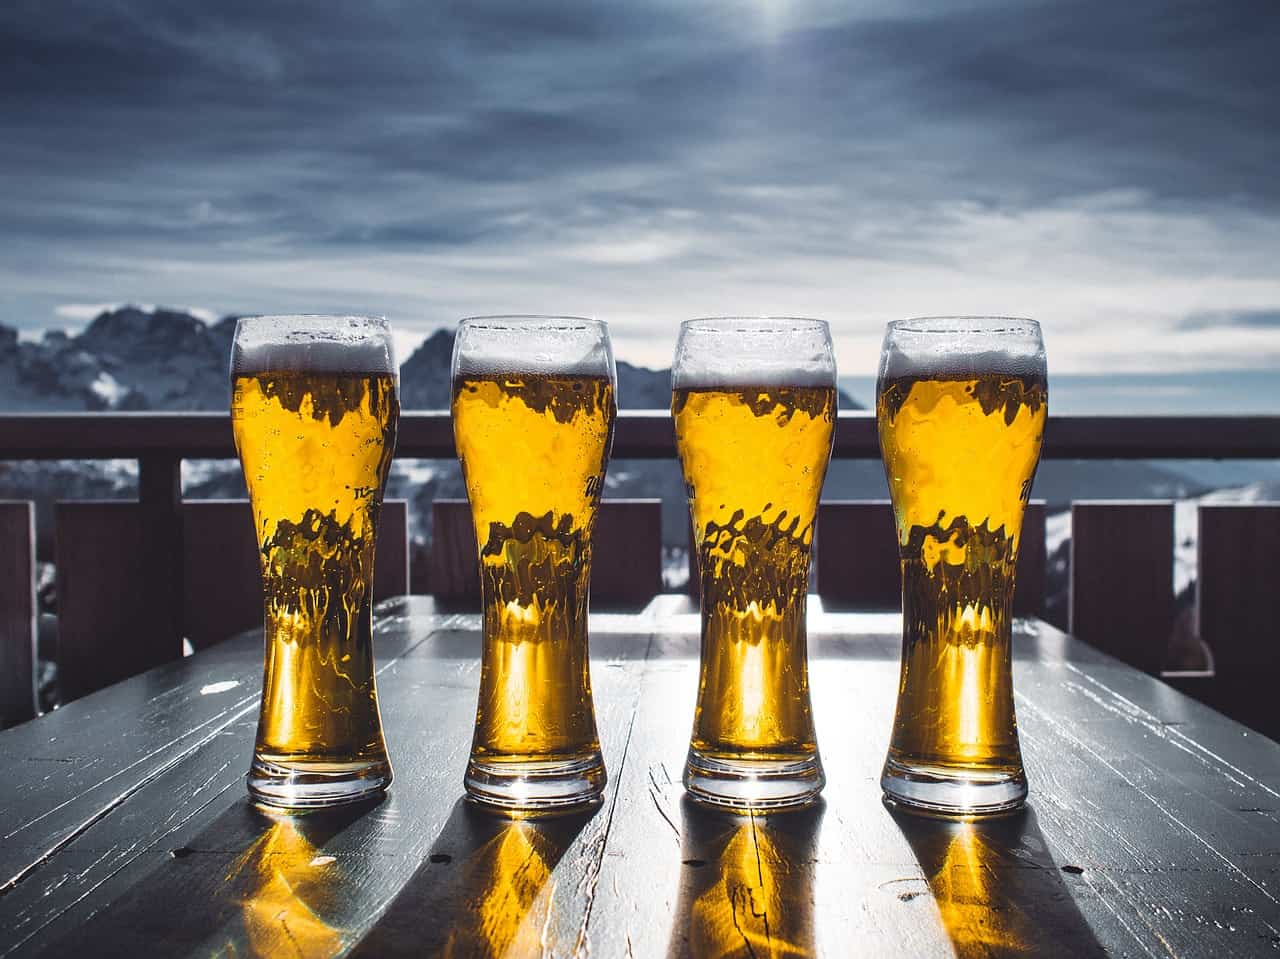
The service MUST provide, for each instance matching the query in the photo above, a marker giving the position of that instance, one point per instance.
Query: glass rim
(311, 322)
(754, 324)
(375, 317)
(532, 321)
(965, 325)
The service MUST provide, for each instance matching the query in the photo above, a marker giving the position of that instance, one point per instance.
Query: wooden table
(1153, 830)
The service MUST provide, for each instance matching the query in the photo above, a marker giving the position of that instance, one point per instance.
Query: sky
(1111, 169)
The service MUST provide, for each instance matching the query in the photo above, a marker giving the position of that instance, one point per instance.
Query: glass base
(753, 784)
(316, 785)
(948, 793)
(545, 788)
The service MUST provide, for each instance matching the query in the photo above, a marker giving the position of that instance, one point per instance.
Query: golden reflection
(967, 892)
(998, 889)
(288, 883)
(747, 885)
(511, 914)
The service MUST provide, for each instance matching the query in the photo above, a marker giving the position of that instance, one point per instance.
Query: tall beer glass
(961, 405)
(754, 402)
(533, 414)
(314, 408)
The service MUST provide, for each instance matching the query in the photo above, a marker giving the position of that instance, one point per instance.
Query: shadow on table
(251, 883)
(997, 888)
(746, 887)
(484, 890)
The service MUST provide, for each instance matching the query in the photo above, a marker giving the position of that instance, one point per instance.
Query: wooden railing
(159, 442)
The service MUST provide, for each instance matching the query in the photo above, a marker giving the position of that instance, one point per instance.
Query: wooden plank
(127, 765)
(1122, 578)
(1033, 560)
(857, 556)
(1074, 876)
(246, 883)
(1139, 797)
(639, 434)
(222, 579)
(626, 552)
(158, 635)
(455, 576)
(17, 612)
(857, 547)
(1238, 603)
(103, 596)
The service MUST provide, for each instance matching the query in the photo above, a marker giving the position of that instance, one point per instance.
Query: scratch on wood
(663, 813)
(182, 821)
(1169, 732)
(1079, 743)
(15, 880)
(237, 711)
(593, 876)
(544, 937)
(755, 843)
(250, 701)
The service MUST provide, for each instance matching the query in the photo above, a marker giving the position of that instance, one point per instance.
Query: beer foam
(761, 352)
(313, 344)
(565, 346)
(953, 347)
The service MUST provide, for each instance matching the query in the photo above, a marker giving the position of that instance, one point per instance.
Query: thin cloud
(1098, 165)
(1219, 319)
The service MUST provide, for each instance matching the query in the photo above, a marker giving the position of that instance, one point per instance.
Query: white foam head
(954, 347)
(550, 345)
(753, 351)
(313, 343)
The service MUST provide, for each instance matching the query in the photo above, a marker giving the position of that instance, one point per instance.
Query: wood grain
(1238, 604)
(1122, 578)
(1154, 826)
(17, 612)
(109, 626)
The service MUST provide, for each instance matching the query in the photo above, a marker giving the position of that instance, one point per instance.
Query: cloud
(1106, 167)
(1247, 319)
(83, 312)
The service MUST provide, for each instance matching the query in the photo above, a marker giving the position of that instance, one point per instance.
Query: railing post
(17, 612)
(1122, 578)
(160, 494)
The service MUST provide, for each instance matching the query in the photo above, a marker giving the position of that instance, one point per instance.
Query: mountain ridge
(131, 358)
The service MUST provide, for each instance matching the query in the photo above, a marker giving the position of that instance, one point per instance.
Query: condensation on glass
(533, 417)
(961, 404)
(754, 401)
(314, 410)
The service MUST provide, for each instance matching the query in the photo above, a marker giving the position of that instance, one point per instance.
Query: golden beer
(316, 446)
(960, 452)
(754, 458)
(534, 447)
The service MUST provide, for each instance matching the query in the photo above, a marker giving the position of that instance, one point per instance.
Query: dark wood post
(160, 494)
(17, 612)
(1122, 578)
(1238, 600)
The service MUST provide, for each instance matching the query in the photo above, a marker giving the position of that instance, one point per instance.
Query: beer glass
(533, 414)
(754, 402)
(314, 408)
(961, 405)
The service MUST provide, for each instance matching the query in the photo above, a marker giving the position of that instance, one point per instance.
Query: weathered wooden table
(1153, 830)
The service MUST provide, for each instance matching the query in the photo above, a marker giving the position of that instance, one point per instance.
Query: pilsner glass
(754, 402)
(961, 405)
(533, 414)
(314, 408)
